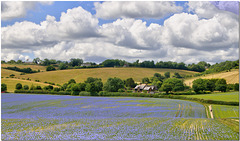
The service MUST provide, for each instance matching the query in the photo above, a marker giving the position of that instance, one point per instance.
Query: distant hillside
(11, 83)
(33, 67)
(231, 77)
(80, 75)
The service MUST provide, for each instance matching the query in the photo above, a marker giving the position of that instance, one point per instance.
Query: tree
(210, 84)
(177, 75)
(26, 87)
(236, 87)
(167, 87)
(145, 80)
(167, 74)
(176, 84)
(3, 87)
(36, 60)
(93, 85)
(130, 83)
(71, 81)
(75, 62)
(50, 68)
(199, 85)
(62, 66)
(221, 85)
(113, 84)
(19, 62)
(18, 86)
(38, 88)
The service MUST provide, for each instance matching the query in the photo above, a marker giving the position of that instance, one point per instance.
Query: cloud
(114, 10)
(18, 9)
(183, 37)
(231, 6)
(76, 23)
(8, 54)
(188, 31)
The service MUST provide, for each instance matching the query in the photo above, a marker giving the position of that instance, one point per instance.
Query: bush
(38, 88)
(50, 68)
(84, 93)
(12, 75)
(236, 87)
(121, 90)
(26, 87)
(3, 87)
(56, 89)
(18, 86)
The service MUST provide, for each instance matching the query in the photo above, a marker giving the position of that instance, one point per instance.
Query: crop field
(54, 117)
(80, 75)
(33, 67)
(11, 83)
(231, 77)
(229, 96)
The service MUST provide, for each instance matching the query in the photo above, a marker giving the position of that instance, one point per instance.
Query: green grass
(228, 96)
(11, 83)
(80, 75)
(224, 111)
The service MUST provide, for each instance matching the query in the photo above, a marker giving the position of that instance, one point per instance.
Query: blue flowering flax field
(55, 117)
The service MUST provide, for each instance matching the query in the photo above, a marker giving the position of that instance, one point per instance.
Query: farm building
(145, 87)
(86, 64)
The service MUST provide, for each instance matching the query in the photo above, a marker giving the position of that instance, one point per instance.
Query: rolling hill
(231, 77)
(80, 75)
(11, 83)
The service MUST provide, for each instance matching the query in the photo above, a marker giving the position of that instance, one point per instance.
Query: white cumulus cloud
(18, 9)
(114, 9)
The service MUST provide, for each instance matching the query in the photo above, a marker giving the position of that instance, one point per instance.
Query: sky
(181, 31)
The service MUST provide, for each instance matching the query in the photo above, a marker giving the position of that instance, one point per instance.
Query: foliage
(50, 68)
(3, 87)
(221, 85)
(167, 74)
(236, 87)
(199, 85)
(62, 66)
(130, 83)
(18, 86)
(172, 84)
(145, 80)
(26, 87)
(71, 81)
(113, 84)
(75, 62)
(25, 70)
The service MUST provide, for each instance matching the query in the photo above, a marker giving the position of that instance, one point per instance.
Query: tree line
(75, 63)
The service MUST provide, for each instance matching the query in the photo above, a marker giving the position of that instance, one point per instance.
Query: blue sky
(178, 31)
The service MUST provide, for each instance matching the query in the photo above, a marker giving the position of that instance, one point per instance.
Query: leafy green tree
(113, 84)
(75, 62)
(199, 85)
(130, 83)
(26, 87)
(71, 81)
(177, 75)
(145, 80)
(177, 84)
(50, 68)
(62, 66)
(221, 85)
(157, 83)
(210, 84)
(3, 87)
(18, 86)
(38, 88)
(93, 85)
(167, 74)
(56, 89)
(167, 87)
(236, 87)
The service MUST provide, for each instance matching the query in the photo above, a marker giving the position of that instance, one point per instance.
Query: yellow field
(80, 75)
(6, 73)
(231, 77)
(11, 83)
(33, 67)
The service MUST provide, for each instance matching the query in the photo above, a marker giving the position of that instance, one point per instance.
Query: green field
(80, 75)
(229, 96)
(11, 83)
(224, 111)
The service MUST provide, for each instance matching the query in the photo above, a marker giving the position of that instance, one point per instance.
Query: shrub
(121, 90)
(18, 86)
(38, 88)
(50, 68)
(84, 93)
(12, 75)
(236, 87)
(26, 87)
(56, 89)
(3, 87)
